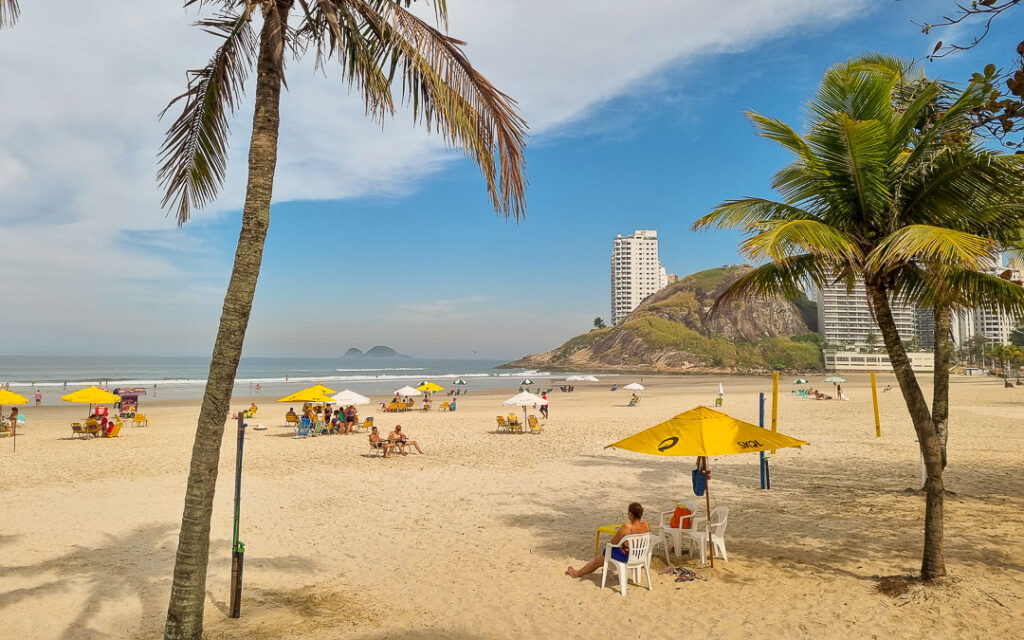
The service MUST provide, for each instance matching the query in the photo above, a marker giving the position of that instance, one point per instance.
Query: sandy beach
(471, 540)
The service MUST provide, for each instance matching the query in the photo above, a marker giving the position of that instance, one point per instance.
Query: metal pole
(766, 482)
(874, 399)
(237, 546)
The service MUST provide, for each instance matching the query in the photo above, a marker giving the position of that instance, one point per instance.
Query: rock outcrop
(671, 332)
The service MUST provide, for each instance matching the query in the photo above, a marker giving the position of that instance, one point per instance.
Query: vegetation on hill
(671, 331)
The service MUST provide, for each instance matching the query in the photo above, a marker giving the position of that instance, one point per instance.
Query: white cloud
(79, 136)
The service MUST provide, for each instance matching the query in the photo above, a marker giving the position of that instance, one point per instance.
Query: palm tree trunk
(940, 391)
(188, 590)
(933, 564)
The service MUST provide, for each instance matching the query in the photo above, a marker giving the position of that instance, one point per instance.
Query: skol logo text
(749, 444)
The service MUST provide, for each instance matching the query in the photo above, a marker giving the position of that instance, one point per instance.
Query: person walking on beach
(544, 406)
(39, 397)
(636, 524)
(258, 387)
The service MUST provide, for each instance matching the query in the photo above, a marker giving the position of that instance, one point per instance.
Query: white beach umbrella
(347, 397)
(590, 379)
(574, 379)
(407, 391)
(634, 386)
(721, 389)
(524, 400)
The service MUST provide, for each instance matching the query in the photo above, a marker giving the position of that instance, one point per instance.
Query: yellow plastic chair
(402, 406)
(534, 425)
(140, 420)
(116, 431)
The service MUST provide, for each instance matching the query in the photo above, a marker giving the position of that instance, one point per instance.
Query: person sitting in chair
(635, 525)
(399, 440)
(377, 443)
(451, 405)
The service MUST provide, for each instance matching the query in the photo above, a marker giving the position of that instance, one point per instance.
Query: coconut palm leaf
(194, 154)
(928, 243)
(785, 278)
(449, 95)
(782, 239)
(334, 30)
(8, 13)
(747, 212)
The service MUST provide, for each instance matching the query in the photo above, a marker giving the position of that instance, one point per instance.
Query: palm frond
(964, 289)
(448, 94)
(8, 13)
(748, 212)
(780, 279)
(855, 150)
(783, 239)
(928, 243)
(334, 30)
(780, 132)
(194, 153)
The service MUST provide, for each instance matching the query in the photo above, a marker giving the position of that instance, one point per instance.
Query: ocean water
(185, 377)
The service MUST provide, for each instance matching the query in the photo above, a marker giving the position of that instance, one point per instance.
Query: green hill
(671, 332)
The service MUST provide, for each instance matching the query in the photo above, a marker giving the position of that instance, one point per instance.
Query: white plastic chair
(639, 557)
(699, 534)
(675, 534)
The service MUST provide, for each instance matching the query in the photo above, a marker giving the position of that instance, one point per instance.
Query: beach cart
(129, 404)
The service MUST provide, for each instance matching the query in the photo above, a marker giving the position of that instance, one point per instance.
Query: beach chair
(534, 425)
(367, 424)
(140, 420)
(392, 406)
(444, 406)
(402, 406)
(410, 404)
(638, 558)
(302, 431)
(92, 427)
(291, 419)
(322, 428)
(376, 449)
(676, 535)
(502, 425)
(115, 431)
(513, 424)
(77, 429)
(699, 534)
(718, 401)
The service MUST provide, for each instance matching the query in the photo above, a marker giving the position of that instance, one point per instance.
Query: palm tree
(877, 192)
(379, 44)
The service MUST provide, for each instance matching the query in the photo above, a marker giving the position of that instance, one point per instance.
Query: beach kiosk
(129, 404)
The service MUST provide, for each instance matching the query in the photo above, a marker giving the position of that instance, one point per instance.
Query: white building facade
(844, 319)
(636, 271)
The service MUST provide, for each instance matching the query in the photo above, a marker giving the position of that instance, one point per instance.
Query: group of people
(396, 441)
(339, 420)
(567, 388)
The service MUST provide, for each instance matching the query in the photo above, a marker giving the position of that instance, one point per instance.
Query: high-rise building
(844, 319)
(636, 271)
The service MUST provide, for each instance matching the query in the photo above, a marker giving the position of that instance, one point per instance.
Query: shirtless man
(377, 443)
(399, 440)
(636, 524)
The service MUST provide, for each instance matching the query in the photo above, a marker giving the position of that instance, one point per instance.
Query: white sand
(471, 540)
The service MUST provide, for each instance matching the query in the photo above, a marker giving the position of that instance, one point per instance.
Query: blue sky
(419, 261)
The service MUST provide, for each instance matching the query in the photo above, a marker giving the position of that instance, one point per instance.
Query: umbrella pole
(707, 503)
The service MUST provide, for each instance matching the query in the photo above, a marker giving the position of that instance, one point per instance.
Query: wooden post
(775, 403)
(874, 399)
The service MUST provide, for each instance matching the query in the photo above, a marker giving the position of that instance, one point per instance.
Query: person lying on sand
(399, 440)
(636, 524)
(377, 443)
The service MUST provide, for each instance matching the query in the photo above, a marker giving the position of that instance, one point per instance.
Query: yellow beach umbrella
(429, 386)
(307, 395)
(705, 432)
(91, 395)
(9, 397)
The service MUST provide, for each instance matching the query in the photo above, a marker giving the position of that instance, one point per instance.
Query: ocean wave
(388, 369)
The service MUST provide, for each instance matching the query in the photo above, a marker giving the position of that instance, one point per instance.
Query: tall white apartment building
(844, 319)
(636, 271)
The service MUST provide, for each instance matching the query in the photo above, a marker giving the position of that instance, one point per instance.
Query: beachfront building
(636, 271)
(923, 361)
(992, 324)
(844, 319)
